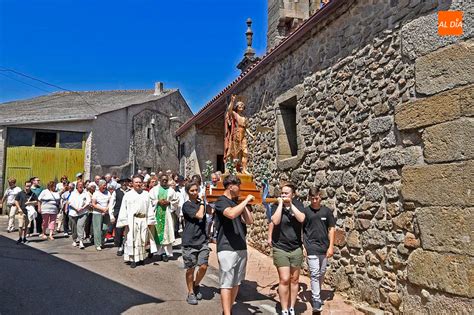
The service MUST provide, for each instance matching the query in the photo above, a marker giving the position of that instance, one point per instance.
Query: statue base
(247, 187)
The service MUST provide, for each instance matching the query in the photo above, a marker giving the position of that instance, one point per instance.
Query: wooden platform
(247, 187)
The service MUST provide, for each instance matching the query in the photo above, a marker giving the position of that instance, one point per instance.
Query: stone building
(91, 132)
(366, 101)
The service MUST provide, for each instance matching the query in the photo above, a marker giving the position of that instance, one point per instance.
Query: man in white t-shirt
(9, 197)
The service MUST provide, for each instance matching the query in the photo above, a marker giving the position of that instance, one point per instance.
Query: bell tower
(284, 16)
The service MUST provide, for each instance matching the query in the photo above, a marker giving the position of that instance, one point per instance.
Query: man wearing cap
(114, 211)
(78, 179)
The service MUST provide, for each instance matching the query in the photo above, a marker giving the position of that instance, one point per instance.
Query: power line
(58, 87)
(38, 88)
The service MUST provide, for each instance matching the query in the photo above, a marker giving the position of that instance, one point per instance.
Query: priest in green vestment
(166, 201)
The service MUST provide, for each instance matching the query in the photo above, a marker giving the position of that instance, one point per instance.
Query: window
(148, 133)
(287, 136)
(70, 140)
(181, 150)
(20, 137)
(45, 139)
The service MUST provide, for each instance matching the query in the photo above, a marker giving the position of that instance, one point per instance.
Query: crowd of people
(143, 215)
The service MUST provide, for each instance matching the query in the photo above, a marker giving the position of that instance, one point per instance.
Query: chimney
(158, 88)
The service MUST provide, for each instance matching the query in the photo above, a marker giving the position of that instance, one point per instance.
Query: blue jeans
(317, 268)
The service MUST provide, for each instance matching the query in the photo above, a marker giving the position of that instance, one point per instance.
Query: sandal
(43, 237)
(51, 238)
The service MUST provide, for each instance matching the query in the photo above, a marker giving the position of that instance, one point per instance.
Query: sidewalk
(260, 270)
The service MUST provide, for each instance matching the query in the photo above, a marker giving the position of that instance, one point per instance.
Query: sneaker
(317, 307)
(66, 234)
(81, 245)
(164, 257)
(74, 243)
(19, 241)
(119, 253)
(25, 241)
(133, 265)
(197, 292)
(191, 299)
(291, 311)
(98, 248)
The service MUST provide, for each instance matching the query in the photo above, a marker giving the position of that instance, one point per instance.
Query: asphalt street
(46, 277)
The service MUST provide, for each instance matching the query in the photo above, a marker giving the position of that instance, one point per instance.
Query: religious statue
(235, 145)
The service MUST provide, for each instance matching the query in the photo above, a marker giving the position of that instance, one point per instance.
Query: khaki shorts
(282, 258)
(23, 221)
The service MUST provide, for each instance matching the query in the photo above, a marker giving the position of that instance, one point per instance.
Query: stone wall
(201, 145)
(129, 125)
(385, 129)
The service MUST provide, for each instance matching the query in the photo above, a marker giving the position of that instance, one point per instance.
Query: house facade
(90, 132)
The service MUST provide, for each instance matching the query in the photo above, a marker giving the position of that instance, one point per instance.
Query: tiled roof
(266, 59)
(81, 105)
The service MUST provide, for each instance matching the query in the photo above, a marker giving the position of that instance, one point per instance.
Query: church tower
(284, 16)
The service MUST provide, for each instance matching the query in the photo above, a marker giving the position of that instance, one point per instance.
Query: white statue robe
(137, 213)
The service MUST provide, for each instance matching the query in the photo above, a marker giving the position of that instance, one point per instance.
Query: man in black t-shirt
(318, 235)
(194, 242)
(25, 198)
(231, 243)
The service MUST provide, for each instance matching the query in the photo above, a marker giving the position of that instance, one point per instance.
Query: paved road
(53, 277)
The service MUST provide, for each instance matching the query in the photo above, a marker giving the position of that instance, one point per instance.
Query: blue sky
(193, 45)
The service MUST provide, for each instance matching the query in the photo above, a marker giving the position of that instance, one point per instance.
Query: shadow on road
(248, 293)
(35, 282)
